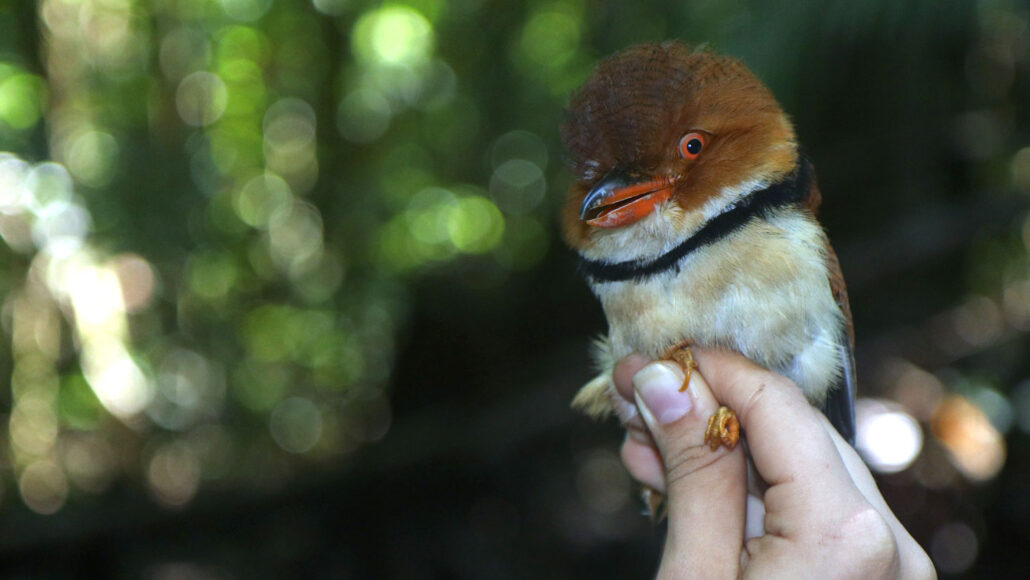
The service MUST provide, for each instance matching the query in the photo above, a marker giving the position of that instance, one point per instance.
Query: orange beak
(616, 200)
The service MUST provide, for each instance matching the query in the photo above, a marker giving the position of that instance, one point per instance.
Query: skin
(822, 515)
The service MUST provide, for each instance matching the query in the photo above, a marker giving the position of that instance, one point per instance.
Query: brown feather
(840, 291)
(632, 112)
(769, 290)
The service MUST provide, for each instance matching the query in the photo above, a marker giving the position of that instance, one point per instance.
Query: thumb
(706, 489)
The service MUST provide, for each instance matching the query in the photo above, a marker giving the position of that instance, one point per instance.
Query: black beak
(614, 180)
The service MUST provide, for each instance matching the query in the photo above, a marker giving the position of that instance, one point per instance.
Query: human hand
(821, 516)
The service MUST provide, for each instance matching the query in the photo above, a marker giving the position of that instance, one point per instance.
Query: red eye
(691, 145)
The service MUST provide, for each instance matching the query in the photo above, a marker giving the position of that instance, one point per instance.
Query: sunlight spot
(393, 35)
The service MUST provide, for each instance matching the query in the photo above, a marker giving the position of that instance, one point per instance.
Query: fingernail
(657, 388)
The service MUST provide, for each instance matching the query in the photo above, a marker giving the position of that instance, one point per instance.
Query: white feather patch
(762, 291)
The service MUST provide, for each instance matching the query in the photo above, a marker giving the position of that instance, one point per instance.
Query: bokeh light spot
(428, 214)
(259, 386)
(363, 116)
(888, 438)
(33, 427)
(551, 36)
(393, 35)
(266, 331)
(518, 186)
(296, 424)
(438, 84)
(602, 482)
(289, 132)
(332, 7)
(519, 144)
(212, 275)
(245, 10)
(975, 447)
(184, 50)
(136, 278)
(201, 98)
(92, 156)
(61, 228)
(475, 225)
(49, 183)
(89, 461)
(21, 98)
(43, 487)
(14, 192)
(117, 380)
(260, 198)
(954, 548)
(978, 322)
(174, 474)
(189, 388)
(295, 238)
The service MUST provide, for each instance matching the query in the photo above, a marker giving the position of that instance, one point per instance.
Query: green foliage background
(286, 275)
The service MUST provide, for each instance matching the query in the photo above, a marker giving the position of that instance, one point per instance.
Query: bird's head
(660, 139)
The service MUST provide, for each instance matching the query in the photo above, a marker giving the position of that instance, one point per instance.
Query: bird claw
(723, 429)
(682, 355)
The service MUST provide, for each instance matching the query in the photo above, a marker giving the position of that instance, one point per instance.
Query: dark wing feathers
(839, 406)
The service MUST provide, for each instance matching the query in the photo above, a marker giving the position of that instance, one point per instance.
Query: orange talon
(723, 429)
(682, 355)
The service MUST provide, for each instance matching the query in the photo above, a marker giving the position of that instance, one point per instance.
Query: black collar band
(793, 189)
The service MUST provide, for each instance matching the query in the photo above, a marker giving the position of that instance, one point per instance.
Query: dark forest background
(283, 294)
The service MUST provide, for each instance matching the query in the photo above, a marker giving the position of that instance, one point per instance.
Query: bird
(693, 216)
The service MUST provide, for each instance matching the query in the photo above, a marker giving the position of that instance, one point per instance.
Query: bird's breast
(762, 291)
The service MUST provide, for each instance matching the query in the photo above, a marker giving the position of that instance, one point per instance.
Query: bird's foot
(723, 429)
(682, 355)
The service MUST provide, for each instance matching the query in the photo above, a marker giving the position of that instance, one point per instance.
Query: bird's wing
(839, 406)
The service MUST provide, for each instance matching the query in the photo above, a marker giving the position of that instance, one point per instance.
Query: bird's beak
(619, 200)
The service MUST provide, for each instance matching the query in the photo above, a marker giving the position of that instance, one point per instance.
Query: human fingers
(790, 448)
(705, 490)
(639, 453)
(644, 463)
(913, 562)
(816, 517)
(622, 376)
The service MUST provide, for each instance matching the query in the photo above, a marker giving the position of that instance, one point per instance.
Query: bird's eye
(691, 145)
